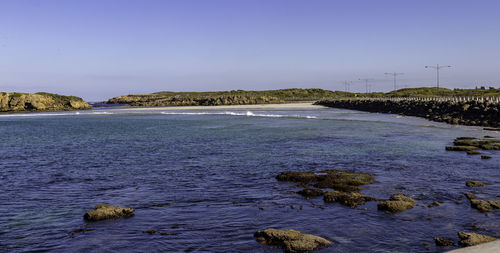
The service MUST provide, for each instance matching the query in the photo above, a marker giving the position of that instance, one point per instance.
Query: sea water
(207, 179)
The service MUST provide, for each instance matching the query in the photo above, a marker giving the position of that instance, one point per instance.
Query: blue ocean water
(207, 177)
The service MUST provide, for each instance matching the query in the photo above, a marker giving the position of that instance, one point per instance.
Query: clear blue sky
(103, 48)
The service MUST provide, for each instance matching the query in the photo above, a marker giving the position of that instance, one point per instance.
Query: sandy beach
(305, 105)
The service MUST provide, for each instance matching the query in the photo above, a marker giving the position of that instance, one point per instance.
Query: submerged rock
(105, 211)
(470, 195)
(434, 204)
(294, 176)
(485, 157)
(474, 184)
(310, 193)
(471, 239)
(341, 180)
(290, 240)
(397, 203)
(151, 231)
(473, 152)
(461, 148)
(441, 241)
(350, 199)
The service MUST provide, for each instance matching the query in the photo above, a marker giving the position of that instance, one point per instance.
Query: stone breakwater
(464, 111)
(22, 102)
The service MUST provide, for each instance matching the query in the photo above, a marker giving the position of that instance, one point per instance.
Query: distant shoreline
(301, 105)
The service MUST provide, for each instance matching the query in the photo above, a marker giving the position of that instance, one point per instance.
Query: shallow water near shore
(207, 177)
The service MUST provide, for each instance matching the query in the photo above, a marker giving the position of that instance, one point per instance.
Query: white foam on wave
(247, 114)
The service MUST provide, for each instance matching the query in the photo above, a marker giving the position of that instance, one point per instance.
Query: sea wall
(473, 111)
(22, 102)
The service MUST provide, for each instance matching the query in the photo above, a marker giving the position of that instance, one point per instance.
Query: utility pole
(437, 68)
(347, 85)
(394, 74)
(366, 82)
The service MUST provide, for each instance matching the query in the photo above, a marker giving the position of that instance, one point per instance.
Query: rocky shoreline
(457, 111)
(159, 100)
(25, 102)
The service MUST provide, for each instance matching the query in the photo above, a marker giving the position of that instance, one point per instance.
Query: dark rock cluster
(473, 113)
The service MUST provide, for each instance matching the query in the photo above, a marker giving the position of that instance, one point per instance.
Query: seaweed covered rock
(461, 148)
(342, 180)
(471, 239)
(350, 199)
(471, 145)
(483, 205)
(105, 212)
(474, 184)
(470, 195)
(291, 240)
(441, 241)
(310, 193)
(396, 203)
(434, 204)
(294, 176)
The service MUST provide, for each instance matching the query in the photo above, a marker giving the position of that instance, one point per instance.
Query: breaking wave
(247, 114)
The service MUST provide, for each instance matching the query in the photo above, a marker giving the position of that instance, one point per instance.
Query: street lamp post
(394, 74)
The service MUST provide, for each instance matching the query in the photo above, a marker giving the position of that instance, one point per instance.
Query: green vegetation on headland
(242, 97)
(42, 101)
(234, 97)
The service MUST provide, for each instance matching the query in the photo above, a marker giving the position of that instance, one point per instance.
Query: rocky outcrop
(162, 100)
(396, 203)
(482, 205)
(471, 239)
(471, 145)
(350, 199)
(345, 185)
(474, 184)
(22, 102)
(441, 241)
(106, 212)
(291, 240)
(473, 113)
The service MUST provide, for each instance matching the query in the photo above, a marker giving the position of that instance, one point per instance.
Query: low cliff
(233, 97)
(150, 100)
(478, 112)
(21, 102)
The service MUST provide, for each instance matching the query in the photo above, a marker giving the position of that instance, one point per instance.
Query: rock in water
(474, 184)
(440, 241)
(290, 240)
(350, 199)
(310, 193)
(397, 203)
(471, 239)
(483, 205)
(105, 212)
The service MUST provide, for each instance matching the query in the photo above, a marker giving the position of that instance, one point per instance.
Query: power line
(347, 85)
(366, 82)
(394, 74)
